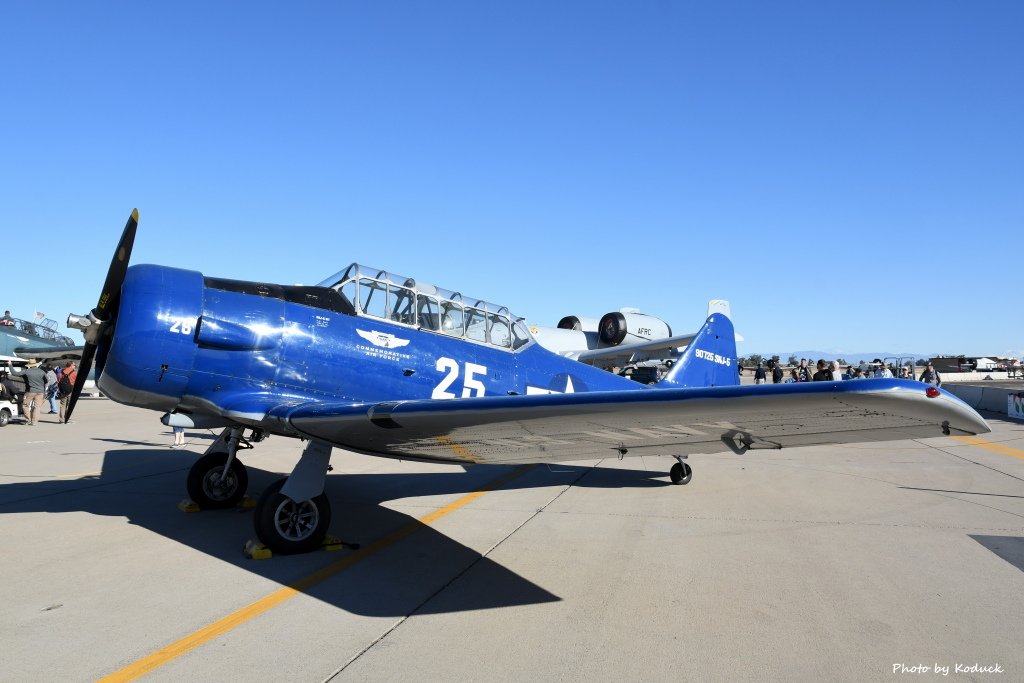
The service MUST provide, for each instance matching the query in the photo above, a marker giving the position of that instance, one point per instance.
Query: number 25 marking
(471, 385)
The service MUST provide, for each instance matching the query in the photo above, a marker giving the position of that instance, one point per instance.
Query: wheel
(681, 473)
(288, 527)
(5, 416)
(205, 487)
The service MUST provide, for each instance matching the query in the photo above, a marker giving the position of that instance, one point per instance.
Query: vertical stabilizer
(719, 306)
(710, 359)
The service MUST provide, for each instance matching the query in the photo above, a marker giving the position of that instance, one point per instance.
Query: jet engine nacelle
(631, 328)
(580, 323)
(565, 341)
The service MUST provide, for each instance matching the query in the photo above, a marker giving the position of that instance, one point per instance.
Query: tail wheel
(288, 527)
(210, 489)
(5, 417)
(681, 473)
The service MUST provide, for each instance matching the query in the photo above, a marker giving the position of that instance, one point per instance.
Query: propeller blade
(106, 307)
(118, 267)
(83, 374)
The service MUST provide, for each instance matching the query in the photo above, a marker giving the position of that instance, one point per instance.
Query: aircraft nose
(152, 351)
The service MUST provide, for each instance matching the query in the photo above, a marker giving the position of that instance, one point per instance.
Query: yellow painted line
(218, 628)
(80, 474)
(1000, 448)
(458, 449)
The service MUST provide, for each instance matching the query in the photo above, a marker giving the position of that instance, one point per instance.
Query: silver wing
(621, 355)
(562, 427)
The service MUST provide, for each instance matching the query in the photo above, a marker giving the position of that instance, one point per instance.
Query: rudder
(709, 360)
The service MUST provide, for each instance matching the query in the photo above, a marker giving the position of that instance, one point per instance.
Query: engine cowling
(631, 328)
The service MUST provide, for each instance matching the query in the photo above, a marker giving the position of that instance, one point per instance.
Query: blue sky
(848, 175)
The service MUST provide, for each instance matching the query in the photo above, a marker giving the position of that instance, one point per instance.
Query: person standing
(32, 404)
(70, 375)
(931, 376)
(759, 374)
(777, 374)
(837, 372)
(51, 389)
(179, 437)
(803, 373)
(823, 374)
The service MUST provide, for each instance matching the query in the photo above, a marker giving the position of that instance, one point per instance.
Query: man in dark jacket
(759, 374)
(777, 374)
(32, 404)
(823, 374)
(930, 376)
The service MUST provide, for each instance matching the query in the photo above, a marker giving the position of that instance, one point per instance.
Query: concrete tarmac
(842, 563)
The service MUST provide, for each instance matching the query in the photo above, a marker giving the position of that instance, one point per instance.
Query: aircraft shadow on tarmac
(1009, 548)
(144, 486)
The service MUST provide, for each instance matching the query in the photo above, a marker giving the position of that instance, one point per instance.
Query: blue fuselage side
(202, 345)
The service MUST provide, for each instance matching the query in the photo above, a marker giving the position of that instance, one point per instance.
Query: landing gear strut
(218, 480)
(681, 473)
(293, 514)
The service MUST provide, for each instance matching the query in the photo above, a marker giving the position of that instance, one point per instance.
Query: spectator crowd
(828, 371)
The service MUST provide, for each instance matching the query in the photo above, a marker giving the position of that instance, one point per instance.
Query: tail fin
(710, 359)
(719, 306)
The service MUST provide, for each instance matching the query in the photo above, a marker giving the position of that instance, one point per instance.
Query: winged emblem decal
(383, 339)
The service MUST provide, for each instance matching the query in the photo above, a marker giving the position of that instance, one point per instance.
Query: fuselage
(234, 349)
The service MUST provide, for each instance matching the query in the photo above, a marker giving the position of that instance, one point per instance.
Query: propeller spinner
(98, 325)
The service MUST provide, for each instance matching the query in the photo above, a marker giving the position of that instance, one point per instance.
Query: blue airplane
(374, 363)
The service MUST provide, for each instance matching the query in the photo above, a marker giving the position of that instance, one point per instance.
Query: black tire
(681, 473)
(5, 417)
(203, 482)
(287, 527)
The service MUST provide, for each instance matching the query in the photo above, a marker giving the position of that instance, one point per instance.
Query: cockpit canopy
(378, 294)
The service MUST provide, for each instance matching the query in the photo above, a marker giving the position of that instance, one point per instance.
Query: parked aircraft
(619, 338)
(40, 335)
(361, 360)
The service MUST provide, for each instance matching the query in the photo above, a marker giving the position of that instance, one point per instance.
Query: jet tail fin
(710, 359)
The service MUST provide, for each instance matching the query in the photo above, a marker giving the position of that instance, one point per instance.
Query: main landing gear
(288, 527)
(218, 479)
(681, 473)
(292, 515)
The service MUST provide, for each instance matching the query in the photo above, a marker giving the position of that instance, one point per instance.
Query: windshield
(378, 294)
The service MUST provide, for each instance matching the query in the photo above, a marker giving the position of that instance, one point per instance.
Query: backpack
(64, 385)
